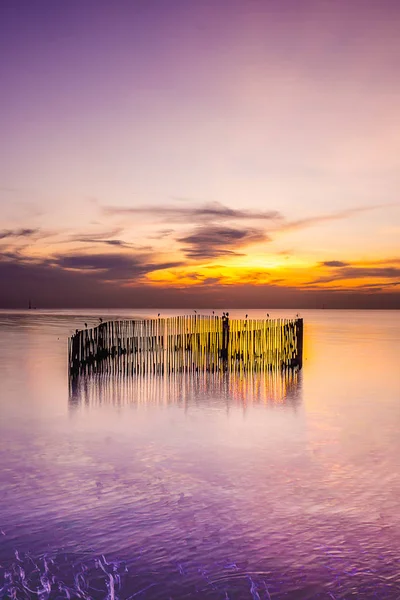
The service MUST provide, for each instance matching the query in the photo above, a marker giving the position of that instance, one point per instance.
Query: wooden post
(299, 334)
(225, 342)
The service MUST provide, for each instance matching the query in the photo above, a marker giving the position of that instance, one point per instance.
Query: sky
(204, 153)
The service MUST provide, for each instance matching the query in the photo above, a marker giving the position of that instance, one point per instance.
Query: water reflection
(208, 486)
(186, 389)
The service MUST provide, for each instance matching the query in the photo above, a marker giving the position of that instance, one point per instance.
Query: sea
(202, 485)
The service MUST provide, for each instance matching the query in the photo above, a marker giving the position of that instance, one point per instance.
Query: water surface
(207, 486)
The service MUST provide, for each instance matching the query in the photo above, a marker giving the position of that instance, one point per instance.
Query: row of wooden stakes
(187, 343)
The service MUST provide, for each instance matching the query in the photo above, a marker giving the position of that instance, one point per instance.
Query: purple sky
(201, 151)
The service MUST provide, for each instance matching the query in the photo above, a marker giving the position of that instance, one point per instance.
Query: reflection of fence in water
(186, 389)
(187, 343)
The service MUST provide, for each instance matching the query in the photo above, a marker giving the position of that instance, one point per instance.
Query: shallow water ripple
(259, 487)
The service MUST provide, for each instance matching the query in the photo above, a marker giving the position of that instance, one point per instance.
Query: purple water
(208, 486)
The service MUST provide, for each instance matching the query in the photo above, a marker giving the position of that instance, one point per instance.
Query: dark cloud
(100, 238)
(360, 272)
(214, 241)
(51, 286)
(378, 286)
(106, 238)
(99, 241)
(350, 272)
(98, 261)
(184, 213)
(120, 243)
(113, 266)
(9, 255)
(17, 233)
(334, 263)
(216, 212)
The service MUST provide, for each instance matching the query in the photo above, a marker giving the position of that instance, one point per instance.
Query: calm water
(202, 487)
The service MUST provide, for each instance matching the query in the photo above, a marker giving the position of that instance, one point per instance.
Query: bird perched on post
(247, 316)
(158, 314)
(86, 325)
(100, 319)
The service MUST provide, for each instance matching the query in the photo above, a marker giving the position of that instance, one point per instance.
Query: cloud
(8, 255)
(105, 237)
(360, 272)
(378, 286)
(216, 213)
(162, 233)
(97, 241)
(17, 233)
(125, 267)
(50, 285)
(211, 238)
(334, 263)
(94, 236)
(319, 219)
(350, 272)
(214, 241)
(97, 261)
(177, 214)
(383, 261)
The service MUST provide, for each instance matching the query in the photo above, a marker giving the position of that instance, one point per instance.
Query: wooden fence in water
(187, 343)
